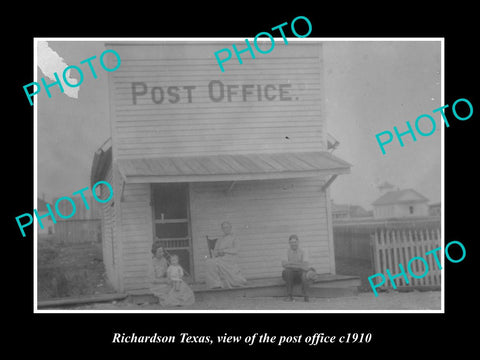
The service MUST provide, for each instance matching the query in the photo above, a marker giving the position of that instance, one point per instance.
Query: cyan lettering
(29, 96)
(57, 210)
(89, 62)
(374, 287)
(409, 267)
(464, 251)
(444, 117)
(279, 27)
(249, 49)
(432, 120)
(293, 27)
(455, 111)
(380, 143)
(52, 84)
(437, 260)
(49, 213)
(393, 277)
(20, 225)
(109, 188)
(83, 196)
(409, 131)
(271, 39)
(66, 72)
(119, 61)
(220, 62)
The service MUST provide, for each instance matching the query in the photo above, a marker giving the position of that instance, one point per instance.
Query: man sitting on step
(295, 268)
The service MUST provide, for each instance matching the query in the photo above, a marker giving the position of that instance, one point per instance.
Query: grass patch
(69, 269)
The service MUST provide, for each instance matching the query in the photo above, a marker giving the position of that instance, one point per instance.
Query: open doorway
(171, 223)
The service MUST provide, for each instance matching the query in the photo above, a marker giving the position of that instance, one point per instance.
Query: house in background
(435, 209)
(47, 222)
(192, 147)
(399, 204)
(340, 211)
(386, 187)
(347, 211)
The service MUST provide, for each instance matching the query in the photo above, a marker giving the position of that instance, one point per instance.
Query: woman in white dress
(222, 269)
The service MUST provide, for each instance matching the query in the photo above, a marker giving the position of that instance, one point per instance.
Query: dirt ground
(414, 300)
(82, 271)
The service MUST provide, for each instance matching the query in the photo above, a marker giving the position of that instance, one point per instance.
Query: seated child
(175, 272)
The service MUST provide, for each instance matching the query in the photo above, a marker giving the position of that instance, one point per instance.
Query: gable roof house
(399, 204)
(192, 146)
(435, 209)
(347, 211)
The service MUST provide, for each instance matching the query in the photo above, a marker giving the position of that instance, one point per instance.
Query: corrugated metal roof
(399, 196)
(231, 167)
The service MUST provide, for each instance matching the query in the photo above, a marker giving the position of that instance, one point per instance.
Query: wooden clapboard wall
(203, 126)
(263, 215)
(135, 236)
(109, 243)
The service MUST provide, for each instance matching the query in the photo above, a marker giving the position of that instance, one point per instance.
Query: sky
(369, 87)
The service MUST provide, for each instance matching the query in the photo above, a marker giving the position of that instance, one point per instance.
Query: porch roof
(231, 167)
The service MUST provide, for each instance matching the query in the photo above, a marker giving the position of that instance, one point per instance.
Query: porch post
(331, 248)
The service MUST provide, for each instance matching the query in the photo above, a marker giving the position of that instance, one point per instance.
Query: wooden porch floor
(326, 285)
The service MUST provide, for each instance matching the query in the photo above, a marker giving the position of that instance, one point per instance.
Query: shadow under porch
(325, 286)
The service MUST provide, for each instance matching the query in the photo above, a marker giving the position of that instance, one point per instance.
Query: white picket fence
(392, 247)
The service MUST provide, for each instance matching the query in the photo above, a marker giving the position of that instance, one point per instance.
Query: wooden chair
(211, 245)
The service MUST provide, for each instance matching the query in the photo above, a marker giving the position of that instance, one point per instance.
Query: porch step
(325, 286)
(81, 300)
